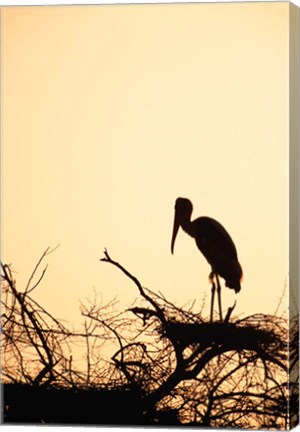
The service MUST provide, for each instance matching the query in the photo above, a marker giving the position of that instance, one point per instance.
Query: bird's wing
(213, 239)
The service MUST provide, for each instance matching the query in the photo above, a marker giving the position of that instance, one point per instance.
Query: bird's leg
(219, 297)
(213, 290)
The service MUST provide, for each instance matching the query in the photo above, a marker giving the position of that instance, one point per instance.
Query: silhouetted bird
(215, 244)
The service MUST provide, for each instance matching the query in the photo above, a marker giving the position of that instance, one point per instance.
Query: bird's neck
(187, 226)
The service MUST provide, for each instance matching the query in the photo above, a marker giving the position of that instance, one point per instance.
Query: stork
(216, 245)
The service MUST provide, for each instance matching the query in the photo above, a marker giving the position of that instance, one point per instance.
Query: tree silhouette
(179, 366)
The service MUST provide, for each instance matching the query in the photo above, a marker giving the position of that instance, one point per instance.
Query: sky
(110, 113)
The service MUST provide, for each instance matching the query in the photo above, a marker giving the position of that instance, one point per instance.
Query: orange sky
(112, 112)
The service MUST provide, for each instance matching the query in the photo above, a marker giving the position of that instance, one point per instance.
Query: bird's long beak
(175, 230)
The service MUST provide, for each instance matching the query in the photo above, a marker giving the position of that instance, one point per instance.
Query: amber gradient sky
(112, 112)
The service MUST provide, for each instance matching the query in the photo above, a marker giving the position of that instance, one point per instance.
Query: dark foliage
(71, 406)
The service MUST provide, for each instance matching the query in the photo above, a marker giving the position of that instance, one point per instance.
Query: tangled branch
(248, 353)
(238, 373)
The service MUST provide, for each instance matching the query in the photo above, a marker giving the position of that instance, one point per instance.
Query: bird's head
(183, 211)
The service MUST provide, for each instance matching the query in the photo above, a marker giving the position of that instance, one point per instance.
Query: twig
(48, 251)
(159, 311)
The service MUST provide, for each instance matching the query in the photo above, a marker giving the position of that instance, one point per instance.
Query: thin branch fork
(158, 310)
(28, 312)
(28, 288)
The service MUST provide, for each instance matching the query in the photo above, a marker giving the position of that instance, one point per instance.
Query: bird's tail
(236, 276)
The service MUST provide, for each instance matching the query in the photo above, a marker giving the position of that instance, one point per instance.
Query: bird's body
(218, 248)
(213, 241)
